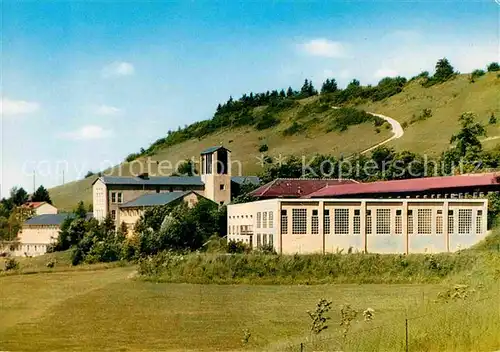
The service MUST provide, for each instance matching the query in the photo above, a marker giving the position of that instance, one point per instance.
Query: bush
(237, 247)
(263, 148)
(293, 129)
(493, 119)
(266, 121)
(493, 67)
(11, 264)
(341, 119)
(424, 115)
(476, 74)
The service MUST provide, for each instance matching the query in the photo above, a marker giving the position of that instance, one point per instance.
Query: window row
(240, 216)
(117, 197)
(265, 240)
(265, 220)
(239, 229)
(384, 221)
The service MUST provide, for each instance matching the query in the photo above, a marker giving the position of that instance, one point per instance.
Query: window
(113, 214)
(222, 187)
(326, 221)
(383, 224)
(357, 222)
(258, 240)
(369, 226)
(229, 230)
(264, 239)
(299, 221)
(271, 240)
(451, 222)
(259, 220)
(479, 222)
(399, 222)
(120, 197)
(464, 221)
(341, 221)
(439, 222)
(315, 223)
(271, 220)
(264, 220)
(284, 222)
(113, 197)
(208, 164)
(410, 222)
(424, 221)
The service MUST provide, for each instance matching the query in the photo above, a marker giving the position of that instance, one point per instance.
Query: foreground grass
(106, 311)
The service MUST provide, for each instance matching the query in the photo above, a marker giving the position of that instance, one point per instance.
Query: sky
(85, 83)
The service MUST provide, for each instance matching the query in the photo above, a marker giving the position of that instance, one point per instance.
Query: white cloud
(17, 107)
(89, 132)
(324, 48)
(385, 72)
(118, 69)
(107, 110)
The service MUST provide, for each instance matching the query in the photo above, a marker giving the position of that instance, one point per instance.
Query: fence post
(406, 329)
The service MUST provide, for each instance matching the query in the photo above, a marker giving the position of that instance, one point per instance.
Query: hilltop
(306, 125)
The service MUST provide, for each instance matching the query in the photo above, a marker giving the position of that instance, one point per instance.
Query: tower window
(222, 186)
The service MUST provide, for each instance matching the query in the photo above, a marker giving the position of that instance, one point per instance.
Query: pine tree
(329, 86)
(304, 91)
(289, 92)
(282, 93)
(41, 195)
(444, 70)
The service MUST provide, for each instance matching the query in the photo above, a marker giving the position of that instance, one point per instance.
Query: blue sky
(86, 83)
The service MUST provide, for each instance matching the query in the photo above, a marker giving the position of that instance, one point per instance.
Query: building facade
(360, 225)
(41, 208)
(38, 233)
(111, 193)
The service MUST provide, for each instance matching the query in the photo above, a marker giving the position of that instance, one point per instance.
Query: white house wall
(397, 226)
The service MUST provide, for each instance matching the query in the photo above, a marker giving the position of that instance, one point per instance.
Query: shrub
(237, 247)
(11, 264)
(476, 74)
(424, 115)
(293, 129)
(266, 121)
(404, 125)
(341, 119)
(493, 67)
(263, 148)
(493, 119)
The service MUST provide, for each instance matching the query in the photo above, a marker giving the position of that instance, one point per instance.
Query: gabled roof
(34, 205)
(149, 200)
(295, 187)
(213, 149)
(48, 219)
(153, 180)
(409, 185)
(254, 180)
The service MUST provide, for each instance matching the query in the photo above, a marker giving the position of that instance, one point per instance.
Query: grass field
(90, 310)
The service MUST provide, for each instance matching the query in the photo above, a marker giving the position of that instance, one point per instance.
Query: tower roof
(214, 149)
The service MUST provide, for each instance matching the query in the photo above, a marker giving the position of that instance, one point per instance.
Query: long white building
(329, 225)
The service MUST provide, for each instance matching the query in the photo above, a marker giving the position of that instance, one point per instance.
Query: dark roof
(153, 180)
(48, 219)
(295, 187)
(410, 185)
(153, 199)
(213, 149)
(245, 179)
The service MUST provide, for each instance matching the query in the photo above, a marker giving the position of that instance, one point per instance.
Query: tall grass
(303, 269)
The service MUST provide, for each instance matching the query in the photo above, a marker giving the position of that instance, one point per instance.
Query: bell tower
(216, 174)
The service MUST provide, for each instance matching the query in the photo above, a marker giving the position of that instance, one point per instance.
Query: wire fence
(400, 334)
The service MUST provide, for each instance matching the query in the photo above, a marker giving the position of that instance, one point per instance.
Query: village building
(40, 208)
(429, 215)
(119, 196)
(38, 233)
(324, 225)
(132, 211)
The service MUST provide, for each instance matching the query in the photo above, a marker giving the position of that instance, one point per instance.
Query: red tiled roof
(295, 187)
(410, 185)
(33, 205)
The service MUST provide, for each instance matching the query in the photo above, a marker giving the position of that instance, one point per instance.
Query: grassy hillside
(447, 102)
(444, 101)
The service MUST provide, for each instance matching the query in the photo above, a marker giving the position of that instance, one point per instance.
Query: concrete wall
(370, 225)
